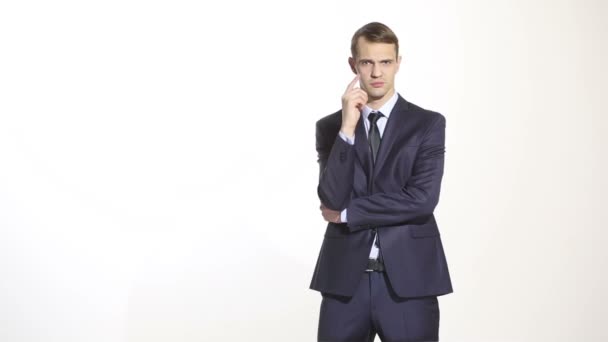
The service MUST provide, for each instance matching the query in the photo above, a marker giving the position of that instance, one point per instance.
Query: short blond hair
(374, 32)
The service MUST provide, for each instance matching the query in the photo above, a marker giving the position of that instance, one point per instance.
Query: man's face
(376, 64)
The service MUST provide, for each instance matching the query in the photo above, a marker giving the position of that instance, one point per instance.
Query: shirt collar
(386, 108)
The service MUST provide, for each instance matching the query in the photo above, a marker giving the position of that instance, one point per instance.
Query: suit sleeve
(417, 198)
(336, 168)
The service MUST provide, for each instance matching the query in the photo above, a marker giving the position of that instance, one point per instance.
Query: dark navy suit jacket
(396, 198)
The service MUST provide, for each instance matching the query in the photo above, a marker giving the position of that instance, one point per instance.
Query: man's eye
(386, 62)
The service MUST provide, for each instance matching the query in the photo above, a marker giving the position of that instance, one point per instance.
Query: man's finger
(359, 91)
(351, 86)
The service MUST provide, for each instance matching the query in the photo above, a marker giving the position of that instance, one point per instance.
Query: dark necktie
(374, 133)
(374, 143)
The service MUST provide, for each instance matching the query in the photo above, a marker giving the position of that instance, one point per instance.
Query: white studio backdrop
(158, 172)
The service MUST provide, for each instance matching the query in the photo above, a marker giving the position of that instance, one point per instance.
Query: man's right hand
(353, 101)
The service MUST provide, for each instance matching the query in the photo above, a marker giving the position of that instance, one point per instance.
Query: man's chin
(376, 94)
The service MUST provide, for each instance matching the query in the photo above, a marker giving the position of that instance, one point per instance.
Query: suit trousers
(376, 309)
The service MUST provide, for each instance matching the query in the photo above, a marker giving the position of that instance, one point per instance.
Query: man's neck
(378, 103)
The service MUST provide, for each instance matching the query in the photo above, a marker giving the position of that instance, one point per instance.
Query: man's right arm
(336, 153)
(336, 167)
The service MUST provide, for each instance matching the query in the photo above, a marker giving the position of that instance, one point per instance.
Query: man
(382, 264)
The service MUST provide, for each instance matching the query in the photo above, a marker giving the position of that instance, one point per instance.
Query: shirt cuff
(343, 216)
(349, 140)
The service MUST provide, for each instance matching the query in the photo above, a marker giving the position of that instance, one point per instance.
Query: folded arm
(417, 198)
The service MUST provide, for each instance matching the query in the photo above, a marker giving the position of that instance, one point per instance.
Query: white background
(158, 172)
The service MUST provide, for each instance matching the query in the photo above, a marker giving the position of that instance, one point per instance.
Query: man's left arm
(417, 198)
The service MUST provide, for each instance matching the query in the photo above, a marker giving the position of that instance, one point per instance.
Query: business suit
(395, 197)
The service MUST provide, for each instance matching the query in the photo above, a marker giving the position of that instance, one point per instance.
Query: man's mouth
(377, 84)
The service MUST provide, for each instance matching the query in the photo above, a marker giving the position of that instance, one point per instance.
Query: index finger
(351, 86)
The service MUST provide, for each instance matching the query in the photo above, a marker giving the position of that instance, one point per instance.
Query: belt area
(374, 265)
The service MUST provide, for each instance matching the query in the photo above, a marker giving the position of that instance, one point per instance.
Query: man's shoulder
(423, 113)
(330, 121)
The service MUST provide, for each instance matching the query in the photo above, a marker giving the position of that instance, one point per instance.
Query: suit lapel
(393, 127)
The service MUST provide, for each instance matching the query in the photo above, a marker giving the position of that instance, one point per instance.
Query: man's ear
(351, 62)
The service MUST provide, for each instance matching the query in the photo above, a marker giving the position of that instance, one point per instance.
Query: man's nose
(376, 72)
